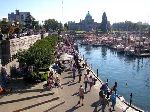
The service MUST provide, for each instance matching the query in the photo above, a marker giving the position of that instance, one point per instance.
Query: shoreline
(122, 103)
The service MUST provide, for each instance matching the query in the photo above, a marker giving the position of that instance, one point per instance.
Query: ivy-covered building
(87, 24)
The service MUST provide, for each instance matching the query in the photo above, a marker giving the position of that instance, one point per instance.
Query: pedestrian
(113, 99)
(85, 81)
(104, 87)
(84, 65)
(50, 82)
(90, 82)
(73, 72)
(88, 71)
(81, 95)
(4, 77)
(94, 80)
(80, 77)
(57, 82)
(114, 88)
(79, 72)
(104, 102)
(101, 96)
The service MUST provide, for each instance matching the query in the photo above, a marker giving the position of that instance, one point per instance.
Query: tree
(130, 26)
(52, 24)
(65, 26)
(4, 27)
(40, 55)
(104, 24)
(29, 22)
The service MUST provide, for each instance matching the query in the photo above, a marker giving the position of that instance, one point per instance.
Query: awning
(65, 57)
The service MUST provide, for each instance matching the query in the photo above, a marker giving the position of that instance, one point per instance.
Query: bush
(41, 54)
(13, 71)
(44, 76)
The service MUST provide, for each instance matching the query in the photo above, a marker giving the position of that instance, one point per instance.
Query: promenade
(37, 99)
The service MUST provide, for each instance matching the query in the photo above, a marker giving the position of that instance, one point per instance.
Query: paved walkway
(35, 99)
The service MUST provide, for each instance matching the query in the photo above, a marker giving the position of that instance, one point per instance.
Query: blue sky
(74, 10)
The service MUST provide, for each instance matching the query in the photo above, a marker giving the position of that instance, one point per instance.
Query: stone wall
(9, 48)
(22, 43)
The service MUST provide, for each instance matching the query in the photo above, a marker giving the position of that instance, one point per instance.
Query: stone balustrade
(9, 48)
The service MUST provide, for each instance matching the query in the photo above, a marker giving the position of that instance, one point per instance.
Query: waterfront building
(18, 16)
(87, 24)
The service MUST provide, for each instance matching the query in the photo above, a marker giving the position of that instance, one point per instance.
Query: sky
(74, 10)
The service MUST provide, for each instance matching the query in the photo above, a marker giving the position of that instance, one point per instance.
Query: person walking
(80, 75)
(104, 87)
(85, 81)
(104, 102)
(113, 99)
(79, 72)
(57, 82)
(101, 96)
(114, 88)
(90, 82)
(81, 95)
(73, 72)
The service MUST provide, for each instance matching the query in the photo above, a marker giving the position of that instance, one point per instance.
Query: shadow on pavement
(66, 83)
(28, 107)
(70, 76)
(73, 108)
(86, 92)
(95, 104)
(27, 98)
(27, 91)
(72, 83)
(19, 86)
(75, 94)
(69, 72)
(54, 107)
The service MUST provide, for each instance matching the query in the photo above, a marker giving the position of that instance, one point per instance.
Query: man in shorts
(81, 94)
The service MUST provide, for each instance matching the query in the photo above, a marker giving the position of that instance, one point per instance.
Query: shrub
(44, 76)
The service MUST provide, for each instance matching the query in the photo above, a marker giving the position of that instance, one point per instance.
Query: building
(87, 24)
(18, 16)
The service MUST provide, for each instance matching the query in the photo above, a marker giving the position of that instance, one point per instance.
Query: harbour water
(132, 74)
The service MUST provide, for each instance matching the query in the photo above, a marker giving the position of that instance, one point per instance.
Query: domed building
(87, 24)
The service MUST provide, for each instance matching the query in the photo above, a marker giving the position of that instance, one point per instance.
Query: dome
(88, 15)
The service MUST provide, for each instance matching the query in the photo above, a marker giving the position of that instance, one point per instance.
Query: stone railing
(9, 48)
(22, 43)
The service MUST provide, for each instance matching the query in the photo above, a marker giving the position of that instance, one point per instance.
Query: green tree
(40, 55)
(52, 24)
(104, 24)
(65, 26)
(4, 27)
(29, 22)
(130, 26)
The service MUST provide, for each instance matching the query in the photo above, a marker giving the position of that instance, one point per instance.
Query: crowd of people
(76, 65)
(106, 95)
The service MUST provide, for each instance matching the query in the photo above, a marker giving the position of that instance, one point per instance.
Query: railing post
(115, 86)
(131, 99)
(97, 72)
(107, 81)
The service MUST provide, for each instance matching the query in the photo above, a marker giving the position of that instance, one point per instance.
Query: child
(57, 82)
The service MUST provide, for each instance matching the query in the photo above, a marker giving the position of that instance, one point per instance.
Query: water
(132, 74)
